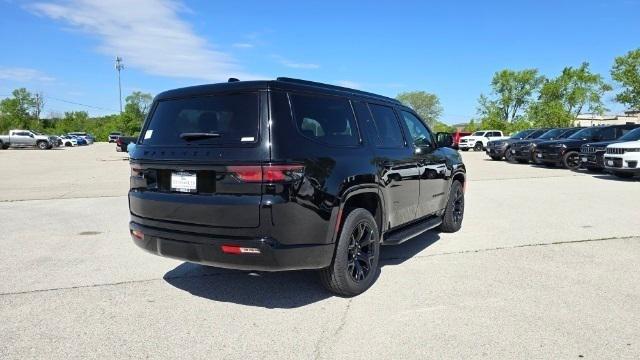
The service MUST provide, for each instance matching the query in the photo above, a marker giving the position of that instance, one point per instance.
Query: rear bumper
(207, 250)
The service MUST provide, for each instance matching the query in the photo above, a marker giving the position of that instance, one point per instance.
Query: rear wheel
(454, 212)
(355, 262)
(571, 160)
(478, 146)
(3, 146)
(464, 149)
(623, 175)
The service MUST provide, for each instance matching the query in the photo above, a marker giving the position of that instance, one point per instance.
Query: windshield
(521, 134)
(633, 135)
(478, 133)
(552, 134)
(585, 133)
(205, 120)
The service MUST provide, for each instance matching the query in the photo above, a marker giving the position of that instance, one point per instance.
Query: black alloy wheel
(361, 252)
(454, 212)
(571, 160)
(355, 262)
(478, 146)
(508, 155)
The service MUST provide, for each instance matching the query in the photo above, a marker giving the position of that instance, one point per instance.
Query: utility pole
(119, 66)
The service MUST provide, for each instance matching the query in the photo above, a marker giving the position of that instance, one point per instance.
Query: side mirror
(444, 139)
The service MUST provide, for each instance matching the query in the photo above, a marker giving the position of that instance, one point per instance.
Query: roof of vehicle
(281, 83)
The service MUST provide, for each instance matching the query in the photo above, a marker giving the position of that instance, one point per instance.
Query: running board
(402, 235)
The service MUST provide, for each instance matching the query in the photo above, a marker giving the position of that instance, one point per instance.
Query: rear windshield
(231, 119)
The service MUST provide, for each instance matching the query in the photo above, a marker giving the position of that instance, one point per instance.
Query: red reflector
(237, 250)
(137, 234)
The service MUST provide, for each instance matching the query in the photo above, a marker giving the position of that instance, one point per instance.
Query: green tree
(135, 111)
(512, 92)
(17, 111)
(424, 104)
(562, 99)
(626, 71)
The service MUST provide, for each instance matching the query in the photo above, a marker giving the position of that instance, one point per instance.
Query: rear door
(397, 169)
(201, 160)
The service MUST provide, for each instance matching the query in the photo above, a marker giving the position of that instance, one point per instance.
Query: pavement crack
(323, 339)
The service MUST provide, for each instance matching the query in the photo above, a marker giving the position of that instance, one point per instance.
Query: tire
(496, 158)
(42, 145)
(478, 146)
(571, 160)
(622, 175)
(464, 149)
(2, 146)
(508, 156)
(454, 212)
(346, 276)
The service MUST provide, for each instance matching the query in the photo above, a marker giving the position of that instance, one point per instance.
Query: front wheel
(508, 155)
(355, 262)
(42, 145)
(454, 212)
(571, 160)
(478, 146)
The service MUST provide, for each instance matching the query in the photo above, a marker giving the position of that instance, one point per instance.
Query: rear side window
(326, 119)
(387, 126)
(231, 119)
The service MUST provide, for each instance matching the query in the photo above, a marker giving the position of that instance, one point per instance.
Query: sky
(66, 49)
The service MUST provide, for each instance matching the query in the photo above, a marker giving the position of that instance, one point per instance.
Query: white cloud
(23, 75)
(293, 64)
(148, 34)
(242, 45)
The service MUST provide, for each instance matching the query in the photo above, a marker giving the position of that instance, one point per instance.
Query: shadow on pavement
(275, 290)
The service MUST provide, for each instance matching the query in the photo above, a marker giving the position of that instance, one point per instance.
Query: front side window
(326, 119)
(633, 135)
(418, 130)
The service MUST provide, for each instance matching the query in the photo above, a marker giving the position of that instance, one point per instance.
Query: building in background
(599, 120)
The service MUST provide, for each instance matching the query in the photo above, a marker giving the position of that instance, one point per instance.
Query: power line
(79, 104)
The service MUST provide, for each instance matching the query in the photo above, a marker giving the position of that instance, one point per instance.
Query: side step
(404, 234)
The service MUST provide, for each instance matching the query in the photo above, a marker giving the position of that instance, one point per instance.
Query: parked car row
(613, 148)
(75, 139)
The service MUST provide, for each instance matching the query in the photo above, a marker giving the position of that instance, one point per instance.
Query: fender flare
(336, 214)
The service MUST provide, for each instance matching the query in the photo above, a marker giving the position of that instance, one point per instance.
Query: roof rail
(336, 87)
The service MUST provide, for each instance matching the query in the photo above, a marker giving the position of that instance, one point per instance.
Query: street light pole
(119, 66)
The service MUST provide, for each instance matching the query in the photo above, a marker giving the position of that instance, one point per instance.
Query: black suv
(496, 149)
(289, 174)
(523, 151)
(592, 154)
(566, 152)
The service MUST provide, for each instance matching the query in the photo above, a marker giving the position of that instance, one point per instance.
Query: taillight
(267, 173)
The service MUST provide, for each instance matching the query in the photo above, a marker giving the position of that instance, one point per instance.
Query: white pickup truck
(27, 138)
(479, 139)
(623, 159)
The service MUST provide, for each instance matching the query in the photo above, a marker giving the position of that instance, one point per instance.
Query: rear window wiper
(198, 135)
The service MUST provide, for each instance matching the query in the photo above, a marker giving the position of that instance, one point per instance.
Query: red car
(456, 137)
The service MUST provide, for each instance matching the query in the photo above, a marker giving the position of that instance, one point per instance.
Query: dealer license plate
(183, 181)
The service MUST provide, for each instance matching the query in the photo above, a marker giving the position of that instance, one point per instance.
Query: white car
(68, 141)
(623, 159)
(479, 139)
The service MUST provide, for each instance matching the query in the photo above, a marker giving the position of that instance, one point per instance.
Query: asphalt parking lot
(545, 266)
